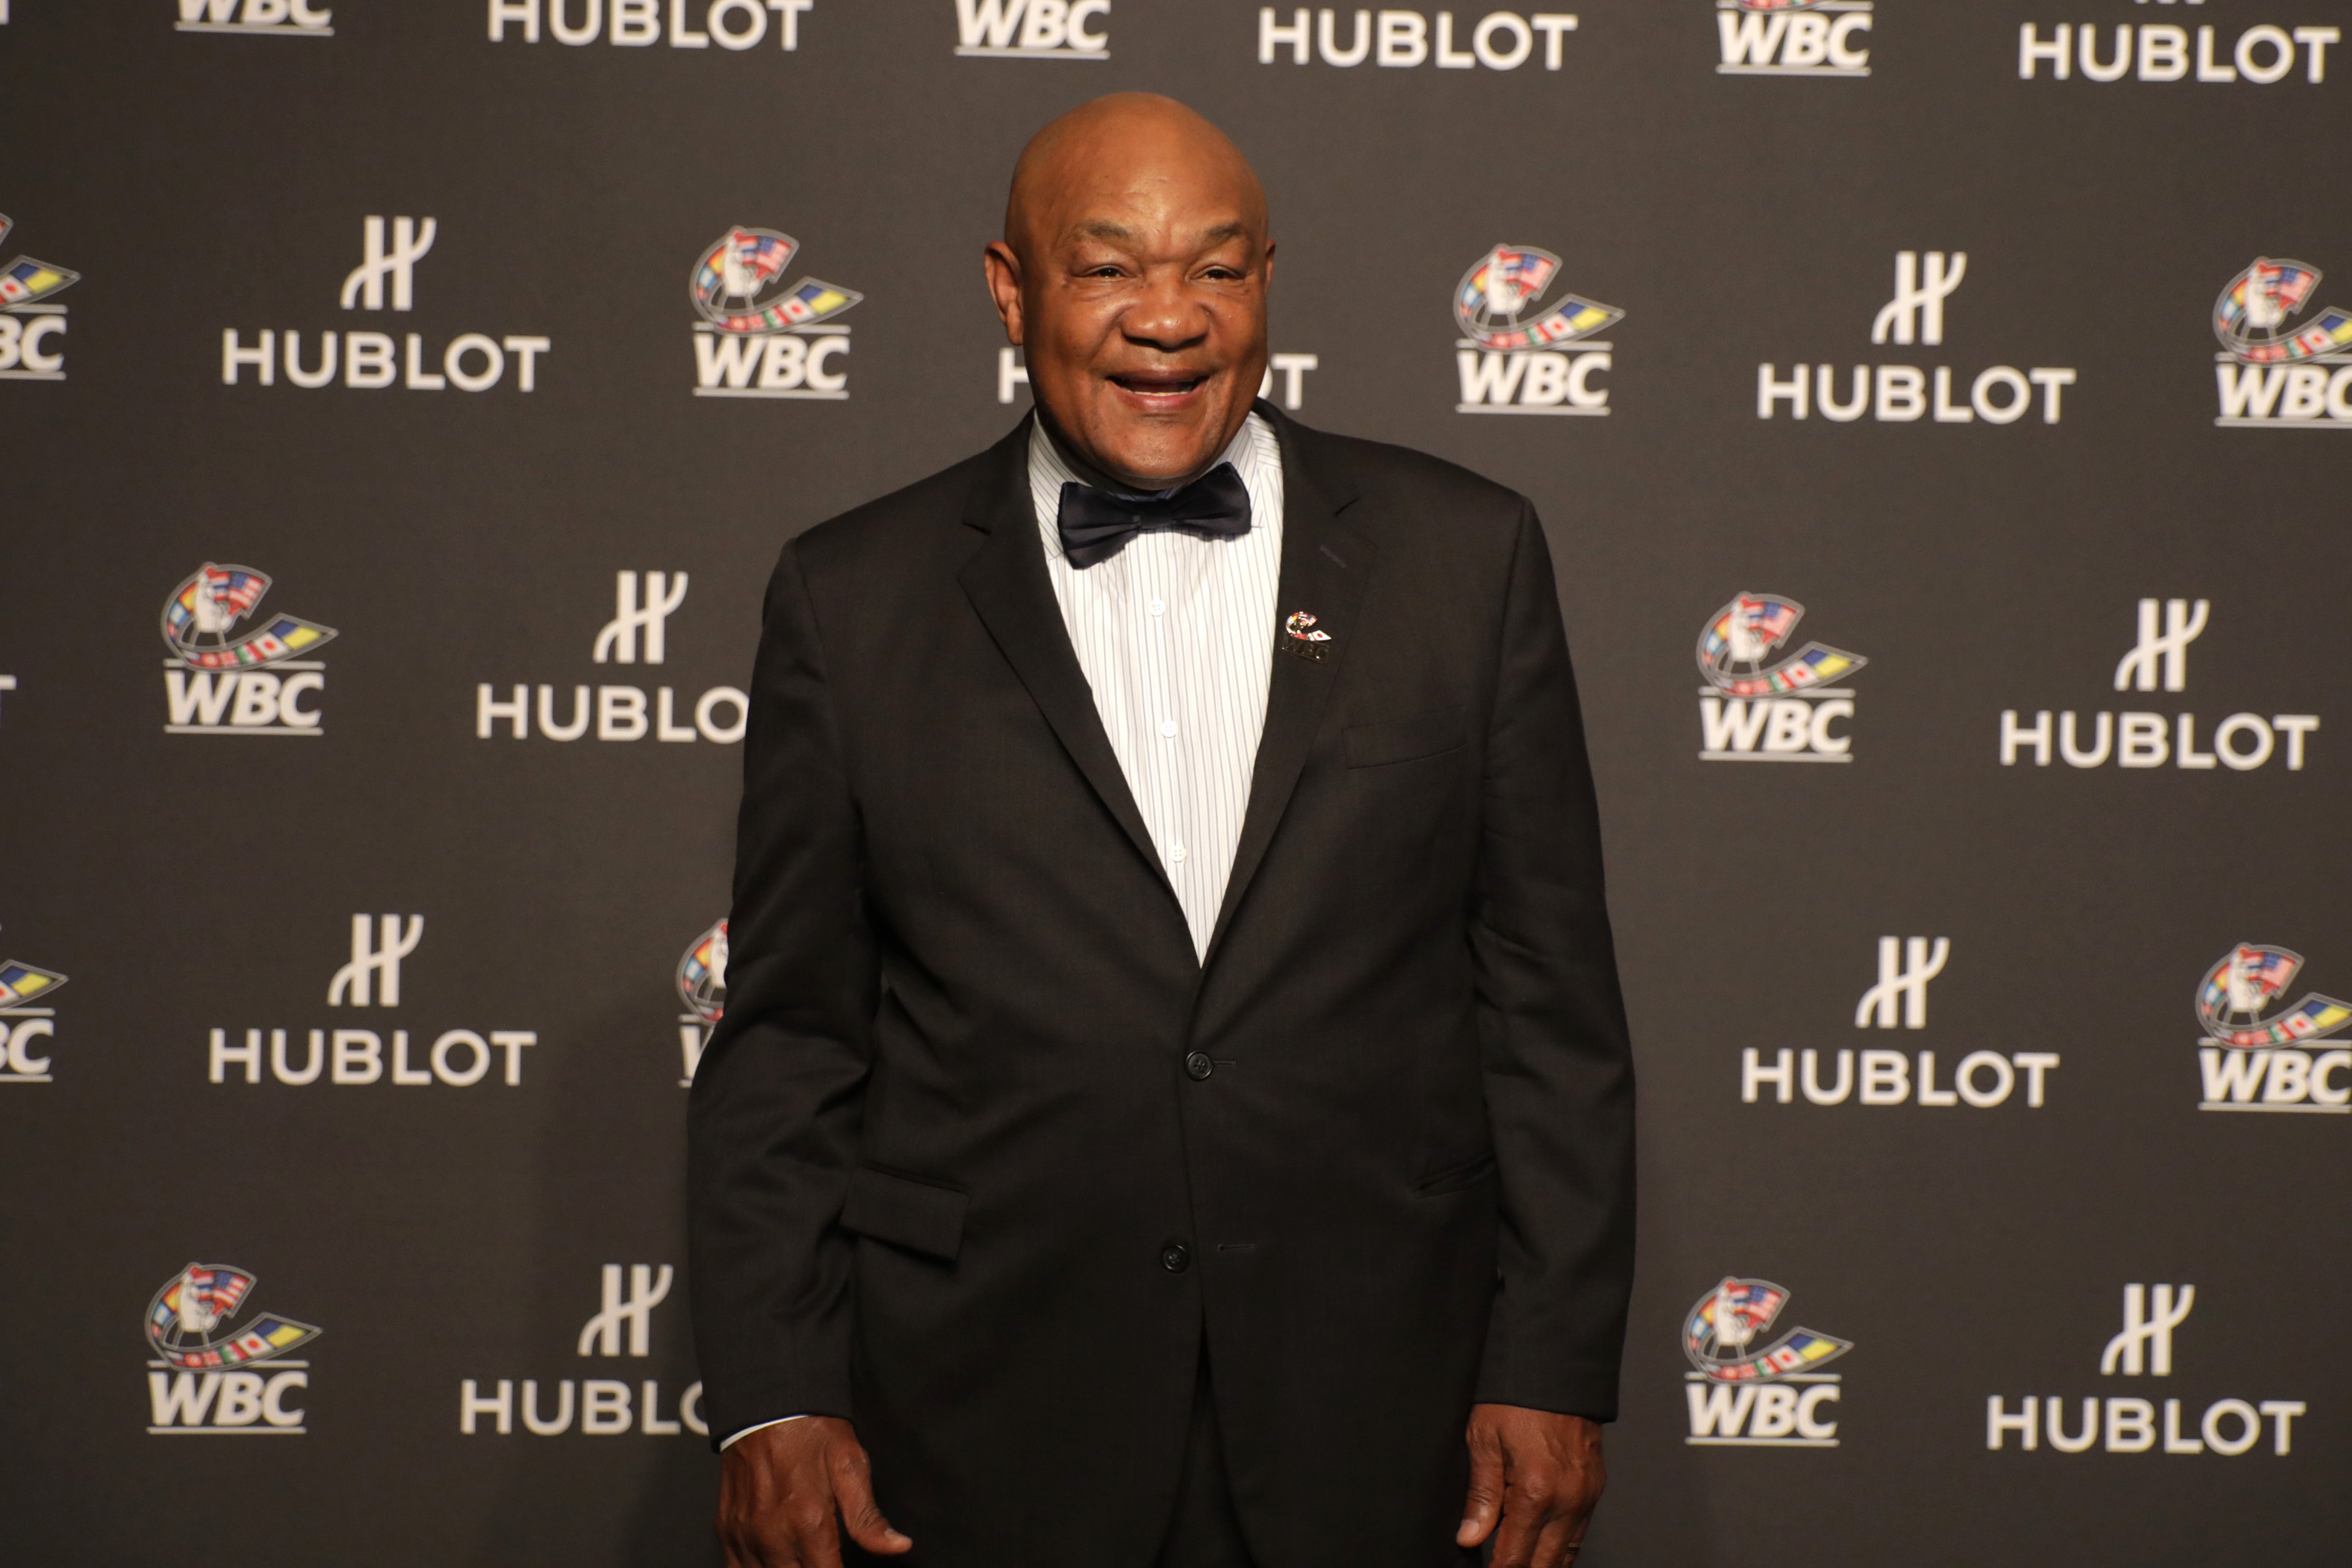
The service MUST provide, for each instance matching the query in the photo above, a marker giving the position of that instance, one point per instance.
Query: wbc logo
(212, 1376)
(1517, 356)
(27, 320)
(218, 683)
(2271, 373)
(2255, 1059)
(1793, 37)
(25, 1018)
(1032, 29)
(702, 987)
(759, 336)
(1747, 1392)
(269, 18)
(1751, 712)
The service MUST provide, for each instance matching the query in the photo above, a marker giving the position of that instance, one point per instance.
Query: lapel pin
(1299, 637)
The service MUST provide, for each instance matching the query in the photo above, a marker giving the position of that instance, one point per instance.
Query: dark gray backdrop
(199, 181)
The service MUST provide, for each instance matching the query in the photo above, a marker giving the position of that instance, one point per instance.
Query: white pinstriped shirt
(1175, 634)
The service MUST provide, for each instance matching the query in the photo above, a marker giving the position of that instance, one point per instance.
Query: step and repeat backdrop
(1942, 416)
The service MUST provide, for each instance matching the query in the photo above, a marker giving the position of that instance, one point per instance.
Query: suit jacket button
(1198, 1065)
(1175, 1257)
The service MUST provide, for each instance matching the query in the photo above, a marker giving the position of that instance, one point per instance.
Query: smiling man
(1174, 1108)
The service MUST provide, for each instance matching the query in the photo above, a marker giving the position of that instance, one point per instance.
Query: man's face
(1139, 297)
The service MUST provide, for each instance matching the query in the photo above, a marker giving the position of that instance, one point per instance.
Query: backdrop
(405, 404)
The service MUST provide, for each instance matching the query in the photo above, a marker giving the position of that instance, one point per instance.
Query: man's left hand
(1540, 1473)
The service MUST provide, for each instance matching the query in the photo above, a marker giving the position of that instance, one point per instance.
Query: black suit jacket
(950, 1177)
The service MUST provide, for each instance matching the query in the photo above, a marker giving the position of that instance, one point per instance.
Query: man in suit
(1173, 1076)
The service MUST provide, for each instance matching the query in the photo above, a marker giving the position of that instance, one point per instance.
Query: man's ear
(1002, 269)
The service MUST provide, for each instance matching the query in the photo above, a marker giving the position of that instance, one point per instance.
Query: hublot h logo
(409, 245)
(2182, 625)
(374, 968)
(2146, 1341)
(1918, 304)
(1905, 967)
(646, 1289)
(617, 642)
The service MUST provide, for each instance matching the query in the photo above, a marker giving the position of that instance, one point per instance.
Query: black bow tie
(1096, 525)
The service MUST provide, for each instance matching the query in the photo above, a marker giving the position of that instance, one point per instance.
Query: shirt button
(1158, 607)
(1177, 855)
(1198, 1066)
(1168, 728)
(1175, 1257)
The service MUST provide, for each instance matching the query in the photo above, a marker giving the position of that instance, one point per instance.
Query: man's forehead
(1132, 162)
(1193, 230)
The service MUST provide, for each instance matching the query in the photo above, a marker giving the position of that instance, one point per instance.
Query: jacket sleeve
(774, 1119)
(1556, 1059)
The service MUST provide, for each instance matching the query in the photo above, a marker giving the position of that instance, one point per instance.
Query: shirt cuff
(761, 1426)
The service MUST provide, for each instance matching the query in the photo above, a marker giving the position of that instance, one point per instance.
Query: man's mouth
(1159, 383)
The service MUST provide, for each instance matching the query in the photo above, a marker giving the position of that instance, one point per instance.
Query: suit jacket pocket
(1469, 1173)
(905, 1212)
(1404, 739)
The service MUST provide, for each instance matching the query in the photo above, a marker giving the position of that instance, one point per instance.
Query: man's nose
(1166, 317)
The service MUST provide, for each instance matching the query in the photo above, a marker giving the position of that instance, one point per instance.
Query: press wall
(1934, 411)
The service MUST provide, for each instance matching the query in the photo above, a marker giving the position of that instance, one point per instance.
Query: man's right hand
(781, 1487)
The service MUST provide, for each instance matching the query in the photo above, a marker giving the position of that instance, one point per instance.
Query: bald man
(1174, 1108)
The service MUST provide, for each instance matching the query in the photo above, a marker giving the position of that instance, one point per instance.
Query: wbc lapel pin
(1299, 637)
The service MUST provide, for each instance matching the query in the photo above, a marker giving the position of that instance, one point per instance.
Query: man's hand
(780, 1487)
(1541, 1473)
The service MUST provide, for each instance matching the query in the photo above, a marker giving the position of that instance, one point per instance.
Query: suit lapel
(1325, 565)
(1006, 583)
